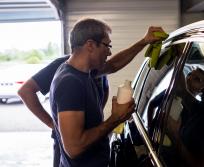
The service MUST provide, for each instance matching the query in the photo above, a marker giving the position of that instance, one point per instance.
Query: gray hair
(87, 29)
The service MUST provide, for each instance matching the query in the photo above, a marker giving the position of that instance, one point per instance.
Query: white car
(12, 78)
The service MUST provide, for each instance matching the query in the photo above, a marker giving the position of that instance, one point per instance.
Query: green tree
(51, 50)
(34, 56)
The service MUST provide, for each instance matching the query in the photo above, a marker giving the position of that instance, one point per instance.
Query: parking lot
(15, 116)
(25, 141)
(25, 149)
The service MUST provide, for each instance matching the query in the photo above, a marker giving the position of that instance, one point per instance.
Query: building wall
(129, 21)
(187, 18)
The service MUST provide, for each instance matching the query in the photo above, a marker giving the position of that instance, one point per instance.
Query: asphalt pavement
(14, 116)
(25, 149)
(24, 140)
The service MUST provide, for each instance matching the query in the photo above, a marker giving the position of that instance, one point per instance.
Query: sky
(29, 35)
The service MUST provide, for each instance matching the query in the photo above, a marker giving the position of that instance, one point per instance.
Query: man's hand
(122, 112)
(150, 37)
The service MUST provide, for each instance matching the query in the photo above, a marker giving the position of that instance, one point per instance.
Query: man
(195, 81)
(76, 107)
(41, 81)
(29, 89)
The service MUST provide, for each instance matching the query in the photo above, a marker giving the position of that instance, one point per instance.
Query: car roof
(196, 28)
(20, 71)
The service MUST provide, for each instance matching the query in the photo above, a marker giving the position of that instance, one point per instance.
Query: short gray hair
(86, 29)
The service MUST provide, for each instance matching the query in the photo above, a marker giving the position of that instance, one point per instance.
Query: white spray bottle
(124, 95)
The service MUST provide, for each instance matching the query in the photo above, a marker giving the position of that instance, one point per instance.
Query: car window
(151, 80)
(150, 84)
(183, 143)
(139, 81)
(150, 111)
(156, 82)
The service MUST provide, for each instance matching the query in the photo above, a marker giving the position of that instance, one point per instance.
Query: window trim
(169, 94)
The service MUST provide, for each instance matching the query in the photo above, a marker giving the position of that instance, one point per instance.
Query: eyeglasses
(107, 45)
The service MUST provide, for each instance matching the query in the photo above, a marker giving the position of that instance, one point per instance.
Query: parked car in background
(169, 116)
(12, 78)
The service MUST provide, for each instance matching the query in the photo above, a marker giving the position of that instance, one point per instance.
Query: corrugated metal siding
(129, 21)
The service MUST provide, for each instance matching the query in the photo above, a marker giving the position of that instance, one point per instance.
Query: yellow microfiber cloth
(119, 128)
(165, 59)
(153, 51)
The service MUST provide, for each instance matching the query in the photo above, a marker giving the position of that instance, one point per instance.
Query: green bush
(32, 56)
(4, 58)
(33, 60)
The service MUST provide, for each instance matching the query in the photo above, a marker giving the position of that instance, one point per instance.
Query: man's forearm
(124, 57)
(88, 137)
(76, 138)
(30, 99)
(37, 109)
(100, 131)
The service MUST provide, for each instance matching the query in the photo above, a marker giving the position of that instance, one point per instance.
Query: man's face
(102, 51)
(195, 81)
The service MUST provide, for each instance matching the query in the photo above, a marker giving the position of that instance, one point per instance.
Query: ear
(90, 45)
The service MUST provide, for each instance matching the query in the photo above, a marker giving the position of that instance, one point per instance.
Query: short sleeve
(70, 95)
(44, 77)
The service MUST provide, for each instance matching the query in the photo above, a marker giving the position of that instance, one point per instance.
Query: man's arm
(77, 139)
(28, 94)
(122, 58)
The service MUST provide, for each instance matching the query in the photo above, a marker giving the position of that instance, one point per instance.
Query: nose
(109, 52)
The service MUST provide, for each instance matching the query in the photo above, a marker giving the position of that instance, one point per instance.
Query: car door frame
(153, 152)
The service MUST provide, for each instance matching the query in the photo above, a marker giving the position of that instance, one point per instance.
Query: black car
(167, 128)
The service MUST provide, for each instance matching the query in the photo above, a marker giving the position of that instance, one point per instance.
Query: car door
(150, 92)
(182, 143)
